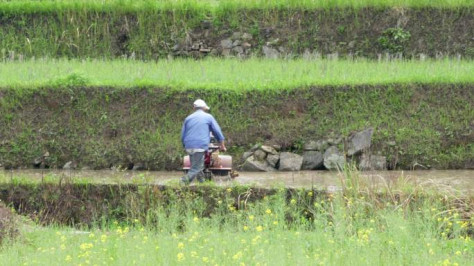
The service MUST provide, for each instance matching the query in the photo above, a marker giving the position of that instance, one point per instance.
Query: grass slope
(101, 127)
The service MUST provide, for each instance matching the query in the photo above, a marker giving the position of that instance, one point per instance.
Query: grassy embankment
(47, 5)
(239, 225)
(100, 114)
(150, 29)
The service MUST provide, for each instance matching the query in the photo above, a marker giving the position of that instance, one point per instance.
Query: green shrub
(72, 80)
(394, 40)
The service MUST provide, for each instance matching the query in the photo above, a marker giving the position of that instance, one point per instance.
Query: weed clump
(394, 40)
(72, 80)
(8, 224)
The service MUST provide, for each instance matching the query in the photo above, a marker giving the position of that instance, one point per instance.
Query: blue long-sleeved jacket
(195, 133)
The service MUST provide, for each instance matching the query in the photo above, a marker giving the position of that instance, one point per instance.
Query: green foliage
(72, 80)
(148, 225)
(394, 40)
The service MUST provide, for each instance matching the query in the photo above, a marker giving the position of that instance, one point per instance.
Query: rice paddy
(25, 6)
(231, 74)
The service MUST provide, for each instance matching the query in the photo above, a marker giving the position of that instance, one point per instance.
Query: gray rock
(68, 166)
(273, 42)
(259, 155)
(226, 52)
(270, 53)
(246, 155)
(255, 147)
(290, 161)
(238, 50)
(176, 47)
(236, 35)
(273, 159)
(334, 141)
(138, 167)
(391, 143)
(236, 43)
(268, 149)
(360, 141)
(246, 45)
(319, 145)
(252, 165)
(276, 147)
(373, 162)
(247, 36)
(312, 160)
(334, 159)
(86, 168)
(226, 44)
(37, 162)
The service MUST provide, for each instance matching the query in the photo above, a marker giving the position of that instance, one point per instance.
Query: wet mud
(442, 180)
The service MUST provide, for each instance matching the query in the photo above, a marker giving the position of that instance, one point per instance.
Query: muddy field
(442, 180)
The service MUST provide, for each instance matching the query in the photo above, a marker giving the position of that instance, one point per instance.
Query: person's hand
(222, 147)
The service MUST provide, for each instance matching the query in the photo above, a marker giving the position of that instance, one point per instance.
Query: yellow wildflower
(275, 222)
(196, 219)
(229, 190)
(251, 217)
(205, 259)
(237, 255)
(259, 228)
(246, 228)
(85, 246)
(68, 258)
(268, 211)
(180, 256)
(293, 201)
(310, 193)
(180, 245)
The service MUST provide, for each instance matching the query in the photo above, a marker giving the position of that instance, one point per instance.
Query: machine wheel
(221, 172)
(207, 175)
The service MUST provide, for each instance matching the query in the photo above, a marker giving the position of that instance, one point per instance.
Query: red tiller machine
(215, 164)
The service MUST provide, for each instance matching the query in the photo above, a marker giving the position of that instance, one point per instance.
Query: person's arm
(183, 130)
(216, 130)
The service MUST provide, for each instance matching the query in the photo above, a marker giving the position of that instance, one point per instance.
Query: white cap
(200, 104)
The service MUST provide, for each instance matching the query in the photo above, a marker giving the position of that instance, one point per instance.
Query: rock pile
(330, 154)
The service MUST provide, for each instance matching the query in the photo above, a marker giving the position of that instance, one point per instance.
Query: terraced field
(107, 84)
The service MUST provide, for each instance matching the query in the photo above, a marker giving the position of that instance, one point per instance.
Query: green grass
(23, 6)
(356, 228)
(230, 74)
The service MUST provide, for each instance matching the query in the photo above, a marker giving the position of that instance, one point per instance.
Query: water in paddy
(443, 180)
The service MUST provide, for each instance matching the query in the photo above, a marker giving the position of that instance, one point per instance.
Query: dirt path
(444, 180)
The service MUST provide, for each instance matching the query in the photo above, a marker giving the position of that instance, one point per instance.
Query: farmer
(195, 137)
